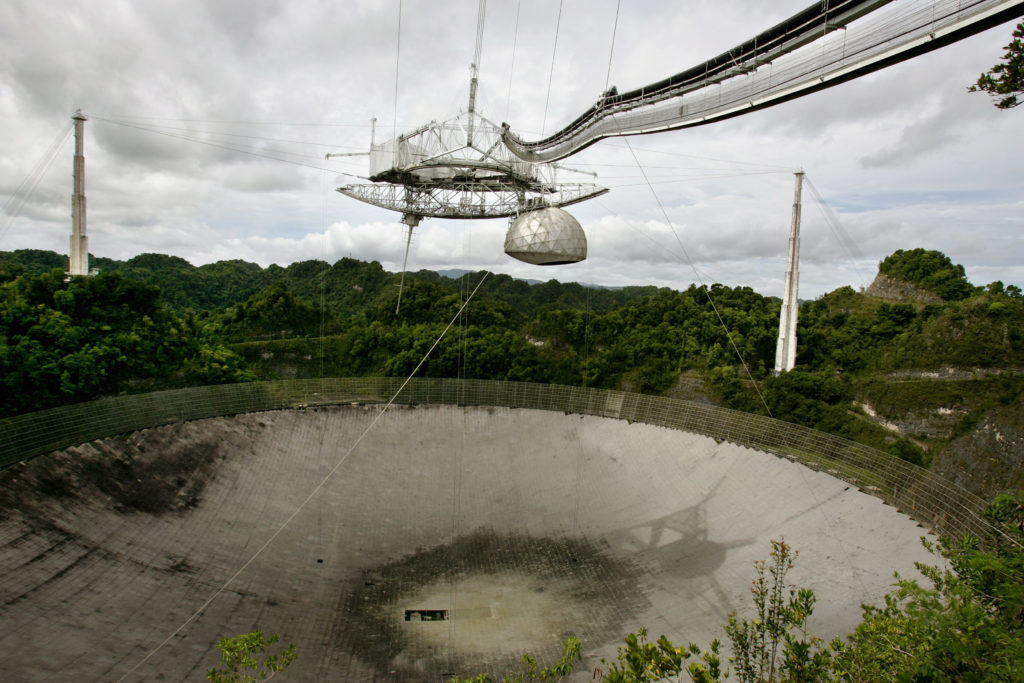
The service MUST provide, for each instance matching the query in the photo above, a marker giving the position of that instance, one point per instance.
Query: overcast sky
(904, 158)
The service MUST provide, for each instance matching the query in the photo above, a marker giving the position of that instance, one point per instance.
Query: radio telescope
(461, 168)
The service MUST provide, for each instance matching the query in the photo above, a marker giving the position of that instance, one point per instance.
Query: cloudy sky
(209, 122)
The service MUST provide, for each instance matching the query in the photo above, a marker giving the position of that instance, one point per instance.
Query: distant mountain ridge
(347, 288)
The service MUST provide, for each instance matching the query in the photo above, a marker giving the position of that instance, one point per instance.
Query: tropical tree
(968, 625)
(242, 659)
(1005, 81)
(775, 645)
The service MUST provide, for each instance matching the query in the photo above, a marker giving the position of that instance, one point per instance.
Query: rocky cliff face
(934, 423)
(990, 459)
(885, 287)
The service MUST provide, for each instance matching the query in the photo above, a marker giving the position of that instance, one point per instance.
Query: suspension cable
(398, 58)
(611, 50)
(512, 69)
(703, 285)
(28, 186)
(551, 73)
(849, 246)
(323, 270)
(240, 150)
(316, 489)
(818, 503)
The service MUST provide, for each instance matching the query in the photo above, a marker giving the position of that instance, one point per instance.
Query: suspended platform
(460, 168)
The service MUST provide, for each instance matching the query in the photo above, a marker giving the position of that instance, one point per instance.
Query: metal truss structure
(460, 168)
(830, 42)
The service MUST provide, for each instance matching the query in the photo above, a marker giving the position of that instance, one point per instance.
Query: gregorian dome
(546, 237)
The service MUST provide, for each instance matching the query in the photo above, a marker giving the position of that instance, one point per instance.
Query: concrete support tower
(79, 260)
(785, 352)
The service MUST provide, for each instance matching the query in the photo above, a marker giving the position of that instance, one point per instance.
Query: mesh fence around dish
(933, 501)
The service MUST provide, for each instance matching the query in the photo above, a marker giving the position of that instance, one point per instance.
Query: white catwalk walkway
(514, 527)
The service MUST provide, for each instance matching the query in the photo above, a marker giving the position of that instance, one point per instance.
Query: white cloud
(905, 156)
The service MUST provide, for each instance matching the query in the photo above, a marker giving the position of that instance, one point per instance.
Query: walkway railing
(933, 501)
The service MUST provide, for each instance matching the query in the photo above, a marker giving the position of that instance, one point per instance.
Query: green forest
(156, 321)
(942, 347)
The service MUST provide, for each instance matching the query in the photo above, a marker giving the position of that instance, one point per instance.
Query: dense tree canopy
(930, 270)
(72, 339)
(275, 313)
(312, 318)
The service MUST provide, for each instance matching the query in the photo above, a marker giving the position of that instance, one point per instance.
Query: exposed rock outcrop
(990, 459)
(930, 423)
(891, 289)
